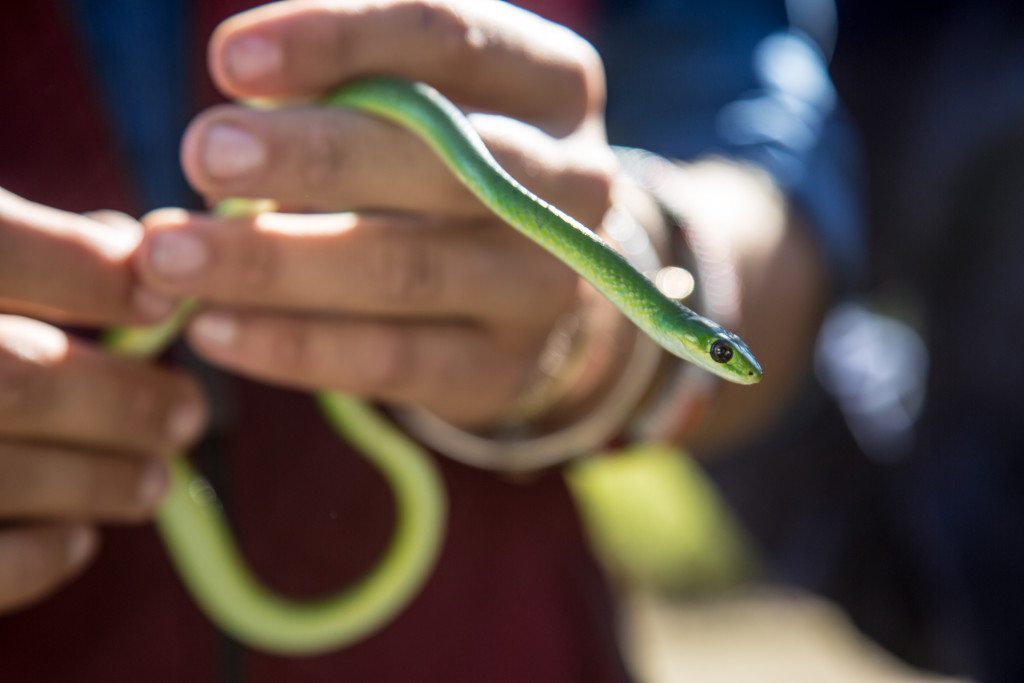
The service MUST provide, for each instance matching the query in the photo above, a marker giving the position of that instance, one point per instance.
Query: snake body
(190, 520)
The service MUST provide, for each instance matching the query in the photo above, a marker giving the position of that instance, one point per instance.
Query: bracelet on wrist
(651, 396)
(525, 441)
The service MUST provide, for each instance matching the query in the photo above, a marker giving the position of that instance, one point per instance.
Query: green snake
(190, 520)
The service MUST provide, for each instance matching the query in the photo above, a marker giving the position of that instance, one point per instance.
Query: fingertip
(165, 217)
(151, 305)
(35, 560)
(115, 219)
(149, 297)
(214, 330)
(33, 341)
(242, 59)
(222, 150)
(250, 59)
(80, 544)
(215, 62)
(185, 422)
(190, 152)
(153, 484)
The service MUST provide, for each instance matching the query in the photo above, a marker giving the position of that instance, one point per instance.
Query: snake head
(732, 359)
(707, 344)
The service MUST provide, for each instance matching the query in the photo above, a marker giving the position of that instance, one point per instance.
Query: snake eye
(721, 351)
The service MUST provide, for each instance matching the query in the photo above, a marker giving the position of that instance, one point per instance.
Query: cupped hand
(83, 435)
(415, 294)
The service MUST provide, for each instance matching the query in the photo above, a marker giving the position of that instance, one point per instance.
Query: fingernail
(217, 329)
(79, 545)
(184, 422)
(152, 484)
(231, 151)
(151, 304)
(175, 254)
(167, 216)
(252, 57)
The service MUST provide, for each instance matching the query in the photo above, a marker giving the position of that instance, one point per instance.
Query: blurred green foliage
(656, 521)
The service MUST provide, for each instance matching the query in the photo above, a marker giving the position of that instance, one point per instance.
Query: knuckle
(256, 266)
(289, 349)
(388, 362)
(594, 183)
(127, 411)
(19, 575)
(150, 405)
(24, 389)
(589, 75)
(138, 406)
(186, 410)
(406, 271)
(322, 155)
(575, 92)
(92, 492)
(453, 35)
(20, 388)
(560, 287)
(194, 138)
(135, 502)
(17, 483)
(108, 293)
(561, 283)
(508, 373)
(578, 80)
(91, 486)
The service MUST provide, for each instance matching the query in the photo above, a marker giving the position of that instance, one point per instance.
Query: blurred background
(895, 498)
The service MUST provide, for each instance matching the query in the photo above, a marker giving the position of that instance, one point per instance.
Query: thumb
(71, 268)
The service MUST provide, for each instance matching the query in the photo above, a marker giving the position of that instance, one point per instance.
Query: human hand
(420, 296)
(82, 434)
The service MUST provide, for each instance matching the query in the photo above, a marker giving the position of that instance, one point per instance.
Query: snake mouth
(733, 361)
(753, 373)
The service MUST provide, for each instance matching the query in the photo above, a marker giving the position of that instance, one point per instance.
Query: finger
(486, 55)
(458, 371)
(68, 267)
(374, 265)
(328, 159)
(57, 390)
(37, 559)
(39, 482)
(115, 219)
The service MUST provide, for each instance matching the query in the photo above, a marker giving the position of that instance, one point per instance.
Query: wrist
(591, 393)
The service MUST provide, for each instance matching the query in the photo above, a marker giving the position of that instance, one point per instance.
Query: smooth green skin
(190, 519)
(427, 113)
